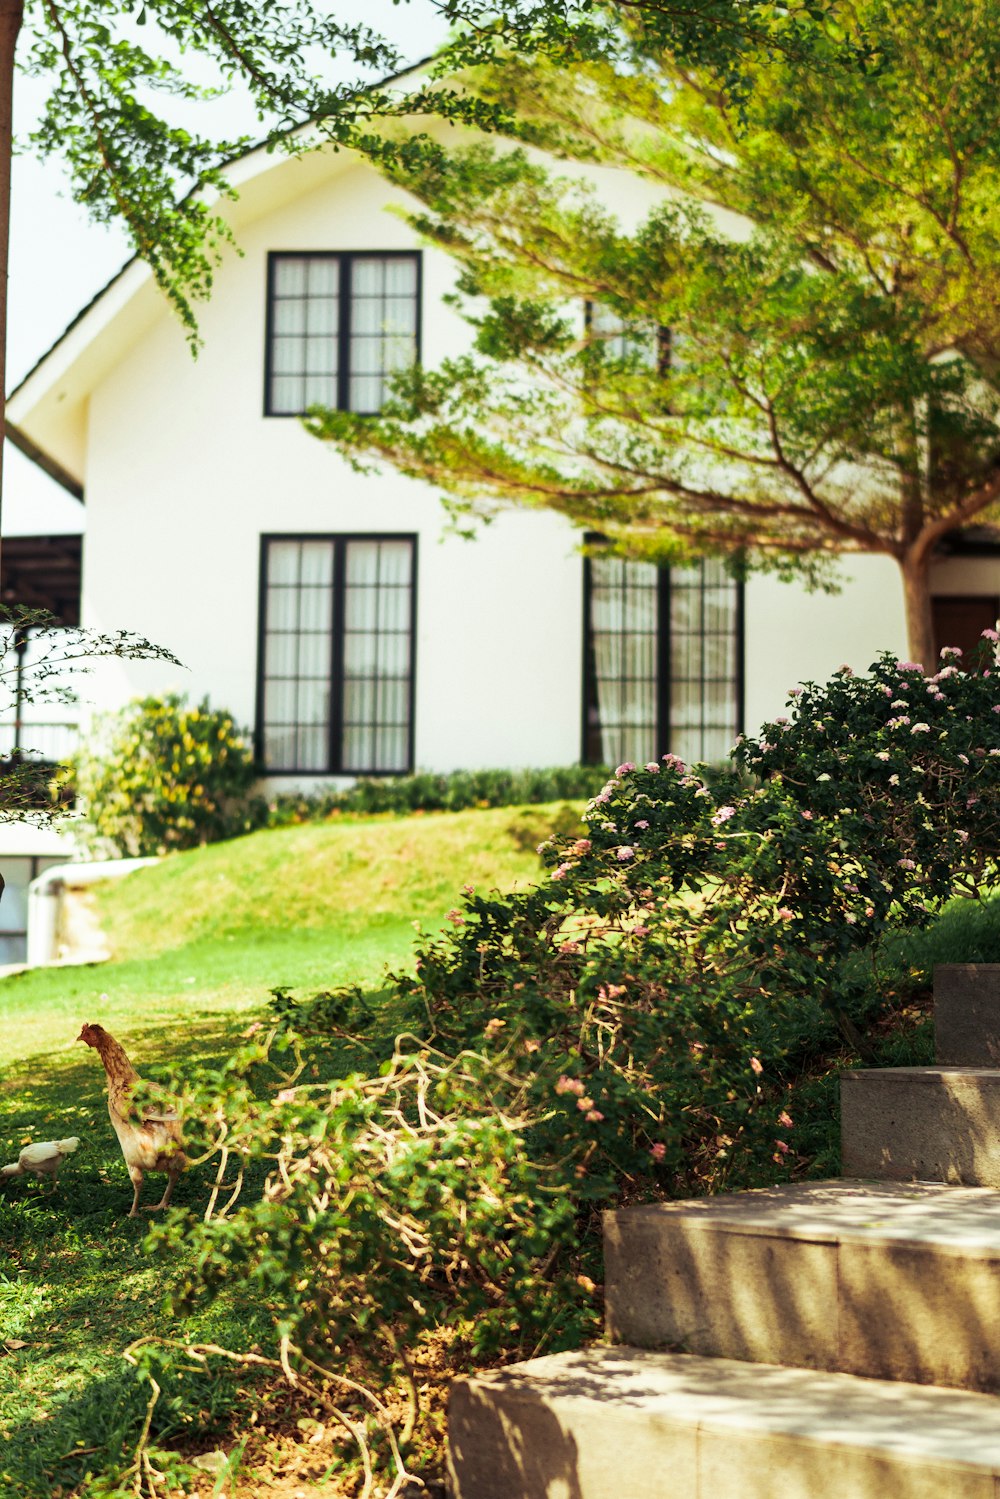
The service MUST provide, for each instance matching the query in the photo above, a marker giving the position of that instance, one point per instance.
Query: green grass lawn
(198, 942)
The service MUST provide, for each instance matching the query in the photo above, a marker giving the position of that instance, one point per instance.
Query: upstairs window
(338, 325)
(335, 691)
(663, 665)
(647, 346)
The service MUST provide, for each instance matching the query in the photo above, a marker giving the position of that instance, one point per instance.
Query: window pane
(290, 317)
(283, 561)
(703, 662)
(383, 325)
(290, 276)
(300, 653)
(320, 315)
(324, 275)
(401, 276)
(287, 395)
(304, 333)
(368, 276)
(366, 393)
(319, 390)
(360, 608)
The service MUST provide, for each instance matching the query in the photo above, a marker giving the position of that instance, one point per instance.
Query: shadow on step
(883, 1280)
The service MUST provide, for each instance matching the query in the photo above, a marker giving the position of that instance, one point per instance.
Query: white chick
(43, 1159)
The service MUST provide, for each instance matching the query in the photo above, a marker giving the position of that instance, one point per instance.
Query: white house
(328, 610)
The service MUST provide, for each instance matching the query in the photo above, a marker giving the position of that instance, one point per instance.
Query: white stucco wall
(794, 636)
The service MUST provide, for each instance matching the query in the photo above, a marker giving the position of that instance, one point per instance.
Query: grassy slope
(213, 930)
(199, 940)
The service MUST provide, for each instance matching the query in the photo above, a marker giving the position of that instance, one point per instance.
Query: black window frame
(660, 333)
(664, 652)
(345, 259)
(340, 540)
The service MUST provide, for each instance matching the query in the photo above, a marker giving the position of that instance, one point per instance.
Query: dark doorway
(960, 619)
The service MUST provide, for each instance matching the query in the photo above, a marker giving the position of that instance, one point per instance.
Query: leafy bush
(651, 1021)
(161, 775)
(428, 791)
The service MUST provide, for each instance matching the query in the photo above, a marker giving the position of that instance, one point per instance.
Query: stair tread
(918, 1423)
(949, 1218)
(931, 1072)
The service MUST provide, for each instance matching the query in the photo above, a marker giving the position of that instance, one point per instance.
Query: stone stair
(823, 1340)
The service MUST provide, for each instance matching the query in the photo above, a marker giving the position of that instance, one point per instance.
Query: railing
(49, 741)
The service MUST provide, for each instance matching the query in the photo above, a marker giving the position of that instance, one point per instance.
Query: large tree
(813, 370)
(115, 64)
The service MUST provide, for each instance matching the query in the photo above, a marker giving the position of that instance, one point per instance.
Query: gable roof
(46, 410)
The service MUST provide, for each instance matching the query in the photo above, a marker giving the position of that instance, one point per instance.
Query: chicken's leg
(135, 1172)
(167, 1191)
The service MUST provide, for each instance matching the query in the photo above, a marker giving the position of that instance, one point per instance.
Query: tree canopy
(796, 353)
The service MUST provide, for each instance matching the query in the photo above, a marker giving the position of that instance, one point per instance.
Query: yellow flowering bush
(160, 775)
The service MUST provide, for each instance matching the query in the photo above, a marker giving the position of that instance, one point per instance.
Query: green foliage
(430, 791)
(41, 661)
(830, 379)
(159, 775)
(658, 1018)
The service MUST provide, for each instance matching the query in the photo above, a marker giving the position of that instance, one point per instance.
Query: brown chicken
(150, 1141)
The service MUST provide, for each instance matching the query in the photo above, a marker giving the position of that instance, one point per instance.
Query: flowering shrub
(160, 775)
(635, 1026)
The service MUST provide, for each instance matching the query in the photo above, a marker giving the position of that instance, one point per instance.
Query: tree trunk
(11, 13)
(919, 618)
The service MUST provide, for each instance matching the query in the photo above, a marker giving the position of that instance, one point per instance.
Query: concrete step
(967, 1014)
(623, 1423)
(865, 1278)
(922, 1124)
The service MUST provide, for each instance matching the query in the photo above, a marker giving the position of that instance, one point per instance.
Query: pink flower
(808, 816)
(640, 931)
(921, 728)
(658, 1150)
(569, 947)
(585, 1104)
(909, 666)
(785, 1119)
(456, 917)
(990, 635)
(560, 873)
(624, 853)
(624, 769)
(723, 815)
(950, 650)
(795, 692)
(569, 1085)
(785, 913)
(756, 1065)
(782, 1146)
(963, 837)
(938, 697)
(653, 767)
(594, 1116)
(286, 1095)
(582, 846)
(642, 823)
(493, 1026)
(850, 918)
